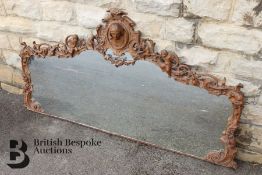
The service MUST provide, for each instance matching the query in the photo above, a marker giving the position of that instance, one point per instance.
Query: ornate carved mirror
(137, 99)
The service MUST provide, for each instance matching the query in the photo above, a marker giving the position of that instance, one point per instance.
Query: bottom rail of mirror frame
(140, 142)
(224, 157)
(216, 153)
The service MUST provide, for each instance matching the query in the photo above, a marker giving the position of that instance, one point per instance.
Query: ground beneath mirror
(115, 156)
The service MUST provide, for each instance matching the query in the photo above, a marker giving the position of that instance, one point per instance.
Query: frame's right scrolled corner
(227, 156)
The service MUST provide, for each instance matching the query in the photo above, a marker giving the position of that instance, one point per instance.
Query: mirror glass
(138, 101)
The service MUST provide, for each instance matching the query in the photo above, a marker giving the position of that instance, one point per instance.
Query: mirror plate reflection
(137, 101)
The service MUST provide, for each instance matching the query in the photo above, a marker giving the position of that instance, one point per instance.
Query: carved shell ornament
(118, 34)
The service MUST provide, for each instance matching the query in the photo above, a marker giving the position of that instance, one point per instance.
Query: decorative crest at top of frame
(118, 34)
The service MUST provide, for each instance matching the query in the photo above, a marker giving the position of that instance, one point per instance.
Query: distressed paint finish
(117, 33)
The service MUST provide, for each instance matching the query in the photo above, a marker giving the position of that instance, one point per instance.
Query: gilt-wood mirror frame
(118, 34)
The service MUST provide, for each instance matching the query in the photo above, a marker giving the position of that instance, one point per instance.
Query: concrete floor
(115, 156)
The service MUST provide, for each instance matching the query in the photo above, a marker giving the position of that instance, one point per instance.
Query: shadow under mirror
(138, 101)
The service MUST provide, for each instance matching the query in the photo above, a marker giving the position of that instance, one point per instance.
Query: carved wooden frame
(117, 33)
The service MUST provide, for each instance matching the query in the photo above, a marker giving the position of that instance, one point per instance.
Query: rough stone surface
(12, 58)
(23, 8)
(18, 78)
(223, 62)
(100, 3)
(254, 110)
(14, 41)
(244, 13)
(246, 68)
(16, 25)
(9, 41)
(249, 156)
(178, 29)
(11, 89)
(6, 73)
(2, 9)
(249, 136)
(197, 55)
(217, 9)
(159, 7)
(227, 36)
(148, 23)
(57, 31)
(89, 17)
(251, 119)
(1, 56)
(4, 41)
(260, 100)
(164, 44)
(252, 114)
(108, 3)
(57, 11)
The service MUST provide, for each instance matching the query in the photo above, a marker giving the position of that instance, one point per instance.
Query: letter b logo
(18, 150)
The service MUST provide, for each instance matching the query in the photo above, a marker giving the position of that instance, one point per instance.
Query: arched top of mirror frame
(117, 33)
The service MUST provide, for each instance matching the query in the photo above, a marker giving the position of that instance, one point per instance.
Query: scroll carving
(117, 33)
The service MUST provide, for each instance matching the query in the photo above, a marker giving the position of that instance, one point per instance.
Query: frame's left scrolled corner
(26, 54)
(34, 106)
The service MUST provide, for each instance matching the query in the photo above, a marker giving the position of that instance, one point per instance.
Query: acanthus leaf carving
(117, 33)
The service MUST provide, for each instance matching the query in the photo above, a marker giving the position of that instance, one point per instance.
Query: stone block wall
(220, 37)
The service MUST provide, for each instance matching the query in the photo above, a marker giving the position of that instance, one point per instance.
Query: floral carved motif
(118, 34)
